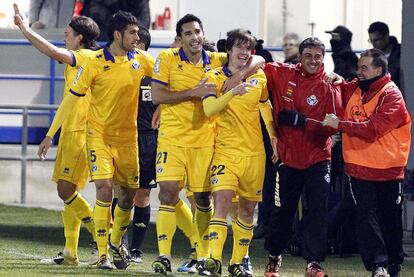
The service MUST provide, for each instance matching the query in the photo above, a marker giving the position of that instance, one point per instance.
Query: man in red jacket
(376, 144)
(301, 98)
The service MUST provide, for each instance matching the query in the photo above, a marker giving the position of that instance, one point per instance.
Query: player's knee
(202, 199)
(168, 195)
(65, 189)
(141, 198)
(103, 191)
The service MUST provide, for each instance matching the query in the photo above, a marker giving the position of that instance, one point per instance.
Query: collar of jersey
(108, 56)
(226, 70)
(206, 58)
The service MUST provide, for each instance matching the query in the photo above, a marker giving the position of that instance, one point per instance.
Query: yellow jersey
(77, 120)
(184, 124)
(114, 87)
(238, 124)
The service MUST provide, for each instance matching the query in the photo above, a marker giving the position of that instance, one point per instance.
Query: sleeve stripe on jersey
(264, 101)
(75, 93)
(73, 59)
(207, 96)
(159, 82)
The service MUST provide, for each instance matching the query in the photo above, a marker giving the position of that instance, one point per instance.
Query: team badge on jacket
(312, 101)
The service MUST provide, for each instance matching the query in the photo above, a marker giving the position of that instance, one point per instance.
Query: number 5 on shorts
(93, 156)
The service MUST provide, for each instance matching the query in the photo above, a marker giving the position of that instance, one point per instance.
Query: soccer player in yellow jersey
(112, 78)
(71, 170)
(186, 136)
(239, 158)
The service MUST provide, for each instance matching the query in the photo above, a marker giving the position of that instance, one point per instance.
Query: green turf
(30, 234)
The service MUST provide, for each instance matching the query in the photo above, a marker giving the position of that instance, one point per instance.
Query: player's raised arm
(162, 95)
(38, 41)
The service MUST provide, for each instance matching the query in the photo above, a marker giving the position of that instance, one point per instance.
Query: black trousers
(379, 221)
(292, 182)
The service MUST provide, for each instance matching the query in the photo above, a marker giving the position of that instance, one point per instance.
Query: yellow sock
(122, 218)
(185, 220)
(82, 210)
(71, 226)
(101, 216)
(202, 221)
(242, 236)
(218, 235)
(166, 226)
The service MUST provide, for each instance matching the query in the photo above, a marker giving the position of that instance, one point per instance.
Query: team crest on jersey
(78, 74)
(254, 81)
(157, 66)
(214, 180)
(94, 168)
(159, 169)
(135, 65)
(312, 101)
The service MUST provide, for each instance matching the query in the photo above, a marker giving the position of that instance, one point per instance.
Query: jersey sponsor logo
(206, 237)
(254, 81)
(259, 192)
(180, 67)
(101, 232)
(107, 67)
(78, 74)
(157, 66)
(66, 170)
(140, 225)
(136, 178)
(357, 114)
(135, 65)
(162, 237)
(312, 100)
(146, 95)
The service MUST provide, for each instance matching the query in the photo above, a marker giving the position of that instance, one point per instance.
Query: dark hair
(120, 22)
(221, 45)
(378, 58)
(144, 36)
(379, 27)
(87, 27)
(185, 19)
(312, 42)
(240, 36)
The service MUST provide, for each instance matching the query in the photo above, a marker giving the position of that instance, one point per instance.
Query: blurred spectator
(209, 45)
(139, 8)
(100, 11)
(262, 52)
(379, 36)
(291, 48)
(221, 45)
(43, 13)
(344, 58)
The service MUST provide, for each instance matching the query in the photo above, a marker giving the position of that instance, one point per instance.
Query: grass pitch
(28, 235)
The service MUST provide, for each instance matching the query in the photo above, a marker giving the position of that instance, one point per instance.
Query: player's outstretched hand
(334, 79)
(241, 89)
(203, 89)
(19, 19)
(44, 147)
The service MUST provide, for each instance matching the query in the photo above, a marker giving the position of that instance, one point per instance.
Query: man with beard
(112, 77)
(376, 142)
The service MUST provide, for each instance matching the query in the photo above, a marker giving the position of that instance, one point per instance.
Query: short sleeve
(161, 70)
